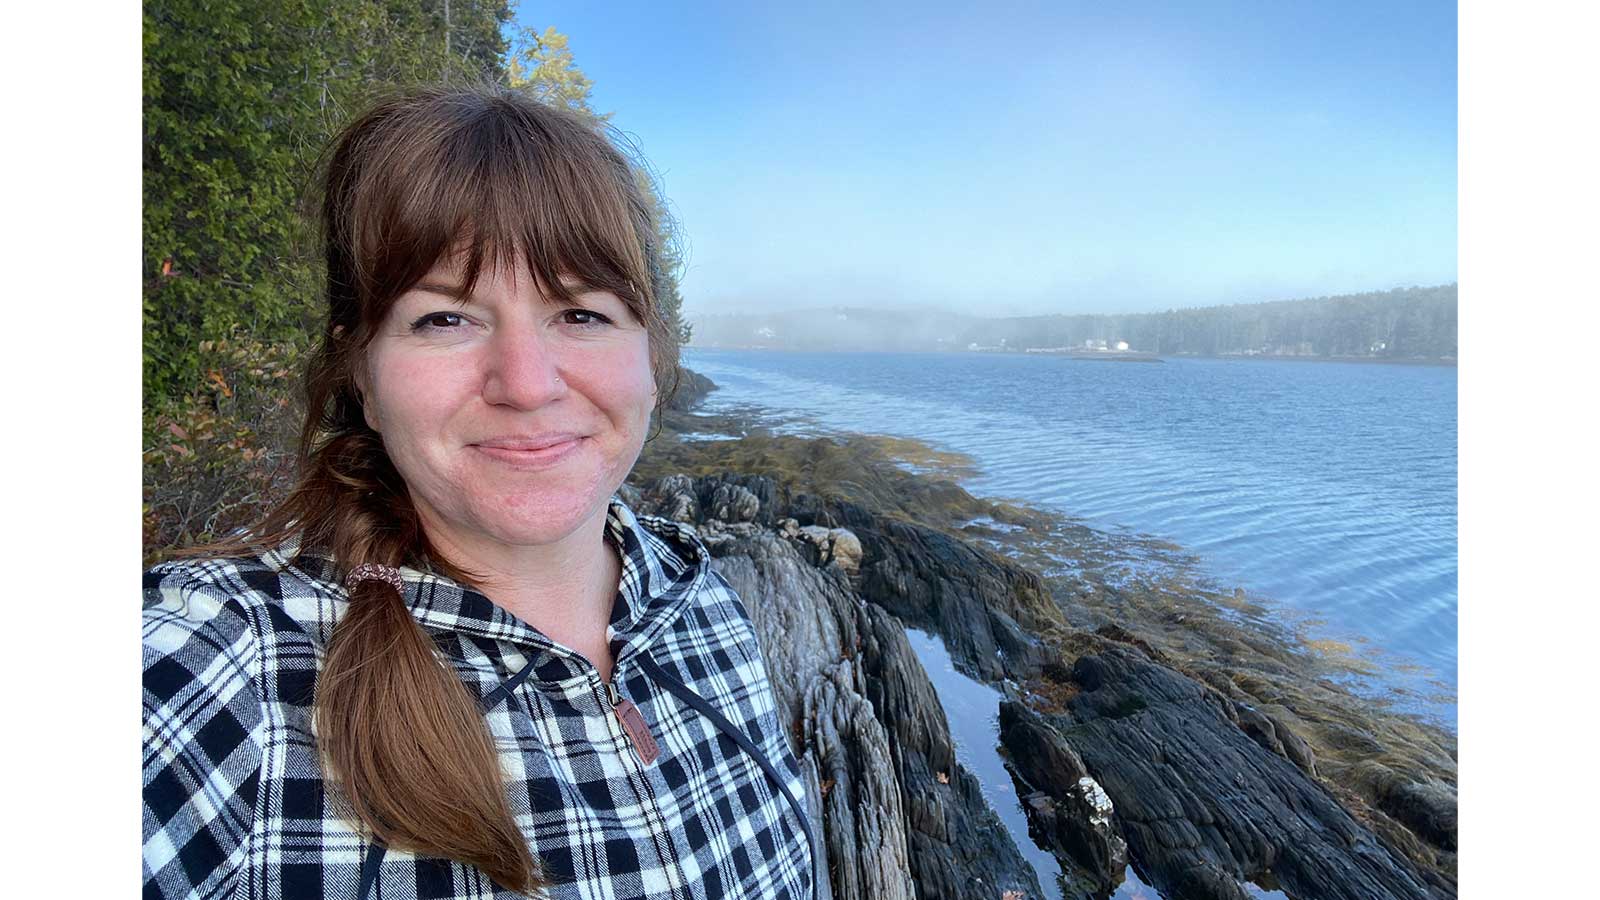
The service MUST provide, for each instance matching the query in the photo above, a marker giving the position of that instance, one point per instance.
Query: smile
(524, 458)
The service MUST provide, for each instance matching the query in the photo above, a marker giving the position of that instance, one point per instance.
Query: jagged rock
(1295, 747)
(805, 616)
(845, 550)
(1122, 635)
(1070, 809)
(1203, 806)
(987, 609)
(733, 503)
(631, 495)
(827, 545)
(692, 387)
(1270, 732)
(673, 497)
(870, 725)
(1426, 807)
(1208, 789)
(762, 487)
(866, 827)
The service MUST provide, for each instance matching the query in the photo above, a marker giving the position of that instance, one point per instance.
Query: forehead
(497, 277)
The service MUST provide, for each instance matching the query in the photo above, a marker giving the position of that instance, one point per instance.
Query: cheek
(622, 382)
(416, 399)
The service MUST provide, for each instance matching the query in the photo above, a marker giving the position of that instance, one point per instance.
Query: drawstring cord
(704, 707)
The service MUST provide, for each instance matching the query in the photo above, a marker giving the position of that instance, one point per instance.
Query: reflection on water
(973, 711)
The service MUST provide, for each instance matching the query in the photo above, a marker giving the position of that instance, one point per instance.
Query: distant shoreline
(1110, 355)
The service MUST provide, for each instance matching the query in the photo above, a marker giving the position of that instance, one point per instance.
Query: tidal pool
(973, 710)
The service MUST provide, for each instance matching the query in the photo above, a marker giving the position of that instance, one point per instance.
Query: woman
(453, 663)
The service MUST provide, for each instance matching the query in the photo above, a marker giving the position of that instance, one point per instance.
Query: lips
(530, 451)
(527, 443)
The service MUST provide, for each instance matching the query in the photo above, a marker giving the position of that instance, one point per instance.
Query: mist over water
(1326, 489)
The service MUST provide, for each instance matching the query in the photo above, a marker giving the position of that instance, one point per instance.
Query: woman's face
(511, 418)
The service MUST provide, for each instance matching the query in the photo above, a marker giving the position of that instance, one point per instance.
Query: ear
(369, 409)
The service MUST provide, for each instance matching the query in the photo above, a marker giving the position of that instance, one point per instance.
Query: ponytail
(408, 745)
(402, 739)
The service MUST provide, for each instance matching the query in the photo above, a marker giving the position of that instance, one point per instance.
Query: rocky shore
(1149, 720)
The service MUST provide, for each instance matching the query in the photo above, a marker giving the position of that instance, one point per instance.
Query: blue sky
(1049, 157)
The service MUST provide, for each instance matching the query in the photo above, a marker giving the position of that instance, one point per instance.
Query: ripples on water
(1327, 487)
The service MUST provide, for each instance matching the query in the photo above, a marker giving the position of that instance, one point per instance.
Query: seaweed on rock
(1157, 721)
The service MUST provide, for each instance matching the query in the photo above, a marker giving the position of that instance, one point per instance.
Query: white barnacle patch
(1098, 800)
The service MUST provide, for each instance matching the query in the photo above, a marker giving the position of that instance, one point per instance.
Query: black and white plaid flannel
(235, 805)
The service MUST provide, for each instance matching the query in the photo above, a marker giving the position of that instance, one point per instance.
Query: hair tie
(374, 572)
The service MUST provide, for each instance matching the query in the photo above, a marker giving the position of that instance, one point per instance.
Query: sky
(1020, 158)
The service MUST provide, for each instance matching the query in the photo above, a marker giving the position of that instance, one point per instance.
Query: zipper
(644, 745)
(633, 724)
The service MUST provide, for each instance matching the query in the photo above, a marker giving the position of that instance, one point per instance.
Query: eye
(437, 321)
(584, 318)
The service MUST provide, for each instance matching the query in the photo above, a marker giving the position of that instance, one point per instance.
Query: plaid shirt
(235, 805)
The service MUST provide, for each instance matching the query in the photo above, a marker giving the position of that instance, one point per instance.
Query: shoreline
(1395, 771)
(1125, 562)
(1153, 357)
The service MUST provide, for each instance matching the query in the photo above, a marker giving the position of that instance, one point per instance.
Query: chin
(545, 517)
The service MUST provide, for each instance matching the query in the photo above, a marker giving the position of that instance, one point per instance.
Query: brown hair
(500, 178)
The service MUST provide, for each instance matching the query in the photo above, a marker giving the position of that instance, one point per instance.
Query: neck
(564, 589)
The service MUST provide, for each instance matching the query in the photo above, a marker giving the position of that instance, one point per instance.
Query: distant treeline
(1404, 323)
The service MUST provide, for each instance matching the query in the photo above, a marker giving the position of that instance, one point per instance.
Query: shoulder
(199, 592)
(211, 616)
(196, 608)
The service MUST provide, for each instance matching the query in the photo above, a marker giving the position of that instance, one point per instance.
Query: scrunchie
(374, 572)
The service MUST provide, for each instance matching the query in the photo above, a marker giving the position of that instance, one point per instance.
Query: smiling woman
(453, 663)
(512, 415)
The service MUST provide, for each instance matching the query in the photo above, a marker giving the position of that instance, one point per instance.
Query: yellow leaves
(215, 378)
(826, 786)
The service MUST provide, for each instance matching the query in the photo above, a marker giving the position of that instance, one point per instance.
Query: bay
(1326, 490)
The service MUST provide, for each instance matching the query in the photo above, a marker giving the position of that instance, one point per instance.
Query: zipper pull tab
(633, 723)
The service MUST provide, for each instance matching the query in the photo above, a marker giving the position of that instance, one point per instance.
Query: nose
(521, 369)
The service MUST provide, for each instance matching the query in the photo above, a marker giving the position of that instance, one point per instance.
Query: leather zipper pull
(633, 723)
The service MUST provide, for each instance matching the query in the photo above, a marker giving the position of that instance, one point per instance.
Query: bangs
(484, 183)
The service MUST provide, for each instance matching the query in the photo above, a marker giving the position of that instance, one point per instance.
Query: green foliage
(239, 96)
(219, 456)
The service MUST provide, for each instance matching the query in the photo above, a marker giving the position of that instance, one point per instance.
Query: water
(1327, 488)
(973, 711)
